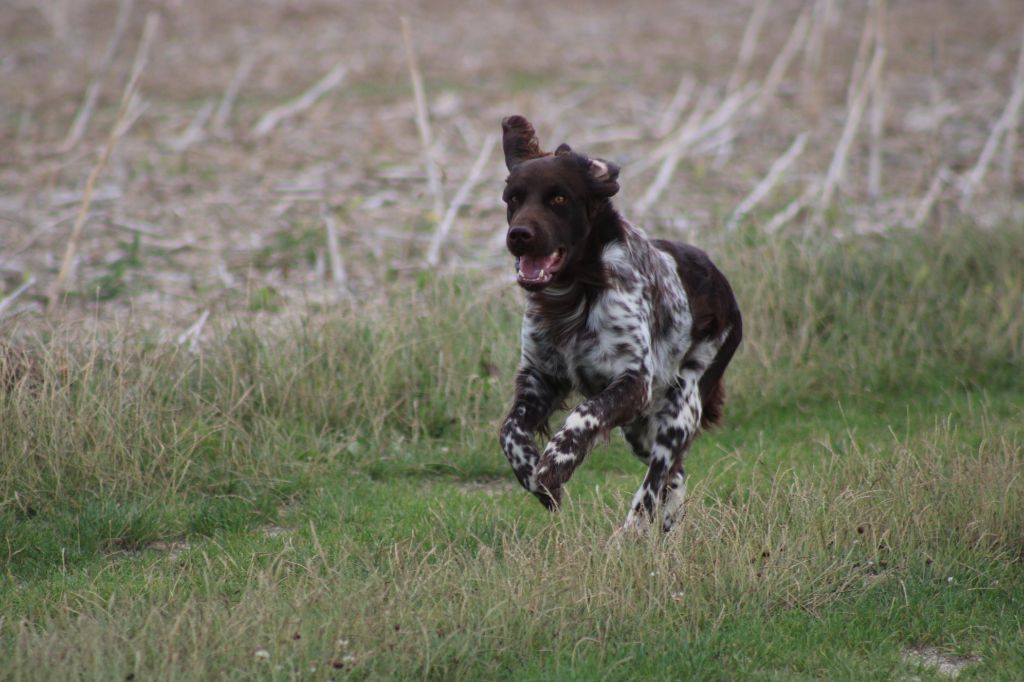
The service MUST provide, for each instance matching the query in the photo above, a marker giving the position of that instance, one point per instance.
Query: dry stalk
(227, 100)
(813, 67)
(721, 144)
(464, 127)
(777, 170)
(693, 131)
(748, 44)
(92, 91)
(194, 132)
(116, 131)
(725, 113)
(138, 226)
(192, 334)
(423, 122)
(670, 117)
(275, 116)
(853, 117)
(1009, 155)
(136, 108)
(697, 126)
(779, 220)
(338, 274)
(576, 99)
(9, 300)
(669, 141)
(1010, 143)
(878, 96)
(860, 62)
(924, 207)
(56, 14)
(671, 153)
(1008, 120)
(780, 65)
(878, 100)
(445, 226)
(603, 136)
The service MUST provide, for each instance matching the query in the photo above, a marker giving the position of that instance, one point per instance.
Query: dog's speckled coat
(642, 328)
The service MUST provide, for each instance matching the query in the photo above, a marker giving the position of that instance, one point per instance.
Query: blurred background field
(199, 207)
(256, 343)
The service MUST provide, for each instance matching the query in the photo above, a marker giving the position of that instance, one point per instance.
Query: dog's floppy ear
(604, 177)
(519, 140)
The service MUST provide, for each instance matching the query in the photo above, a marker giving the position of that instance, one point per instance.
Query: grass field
(258, 329)
(327, 499)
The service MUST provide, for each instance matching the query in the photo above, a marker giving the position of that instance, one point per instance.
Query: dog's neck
(564, 306)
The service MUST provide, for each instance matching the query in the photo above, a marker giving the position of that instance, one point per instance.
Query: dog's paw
(546, 486)
(627, 533)
(636, 524)
(550, 498)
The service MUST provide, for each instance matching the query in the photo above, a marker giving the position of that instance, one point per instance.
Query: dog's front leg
(536, 397)
(618, 404)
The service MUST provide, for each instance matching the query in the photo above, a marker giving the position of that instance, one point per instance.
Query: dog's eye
(512, 200)
(558, 200)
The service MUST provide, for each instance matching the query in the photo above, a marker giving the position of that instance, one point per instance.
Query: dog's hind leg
(639, 436)
(683, 430)
(673, 427)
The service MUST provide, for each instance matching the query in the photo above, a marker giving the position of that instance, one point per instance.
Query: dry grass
(874, 535)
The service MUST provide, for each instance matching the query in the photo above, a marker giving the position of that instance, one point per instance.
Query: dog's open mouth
(537, 271)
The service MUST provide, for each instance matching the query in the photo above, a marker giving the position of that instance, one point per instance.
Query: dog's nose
(519, 236)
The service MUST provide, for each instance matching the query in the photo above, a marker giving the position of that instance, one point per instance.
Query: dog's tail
(712, 382)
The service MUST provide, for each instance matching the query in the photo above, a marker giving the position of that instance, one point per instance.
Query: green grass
(329, 494)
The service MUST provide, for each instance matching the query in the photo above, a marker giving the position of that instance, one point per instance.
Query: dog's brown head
(552, 200)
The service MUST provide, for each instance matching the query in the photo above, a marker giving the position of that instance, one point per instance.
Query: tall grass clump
(122, 416)
(425, 379)
(426, 366)
(826, 318)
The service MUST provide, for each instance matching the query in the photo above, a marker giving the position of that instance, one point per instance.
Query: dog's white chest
(640, 323)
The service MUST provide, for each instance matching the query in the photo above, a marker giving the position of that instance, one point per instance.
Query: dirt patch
(272, 530)
(946, 665)
(173, 548)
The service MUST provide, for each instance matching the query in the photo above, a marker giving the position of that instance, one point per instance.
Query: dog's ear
(604, 177)
(563, 149)
(519, 140)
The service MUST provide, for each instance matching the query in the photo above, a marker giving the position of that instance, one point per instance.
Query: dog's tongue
(530, 267)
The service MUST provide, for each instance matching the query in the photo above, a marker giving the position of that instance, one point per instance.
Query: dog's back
(715, 312)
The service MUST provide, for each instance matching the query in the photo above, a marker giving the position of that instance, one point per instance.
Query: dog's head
(551, 199)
